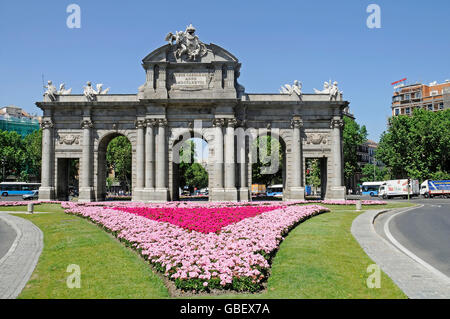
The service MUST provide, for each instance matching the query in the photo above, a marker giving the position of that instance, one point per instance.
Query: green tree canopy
(191, 174)
(353, 135)
(260, 171)
(118, 157)
(418, 146)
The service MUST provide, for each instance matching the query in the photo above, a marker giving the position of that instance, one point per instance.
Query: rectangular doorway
(67, 178)
(315, 178)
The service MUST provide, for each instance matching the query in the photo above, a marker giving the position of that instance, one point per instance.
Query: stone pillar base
(160, 195)
(295, 193)
(216, 195)
(137, 195)
(336, 193)
(147, 194)
(243, 194)
(46, 193)
(230, 195)
(86, 194)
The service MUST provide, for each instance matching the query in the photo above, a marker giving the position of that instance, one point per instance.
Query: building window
(407, 96)
(418, 95)
(441, 106)
(430, 107)
(397, 111)
(408, 110)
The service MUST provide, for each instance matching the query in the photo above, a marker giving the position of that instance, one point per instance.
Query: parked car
(33, 195)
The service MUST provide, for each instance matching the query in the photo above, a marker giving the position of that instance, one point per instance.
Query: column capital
(232, 122)
(139, 123)
(150, 122)
(161, 122)
(296, 122)
(219, 122)
(336, 123)
(48, 123)
(86, 124)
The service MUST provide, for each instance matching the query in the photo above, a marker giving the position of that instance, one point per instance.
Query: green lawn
(319, 259)
(108, 269)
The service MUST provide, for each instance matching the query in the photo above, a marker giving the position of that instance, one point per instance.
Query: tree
(33, 152)
(313, 172)
(353, 136)
(260, 175)
(118, 157)
(196, 176)
(374, 173)
(12, 154)
(417, 147)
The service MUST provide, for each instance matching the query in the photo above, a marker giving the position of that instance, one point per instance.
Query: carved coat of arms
(316, 139)
(186, 44)
(69, 139)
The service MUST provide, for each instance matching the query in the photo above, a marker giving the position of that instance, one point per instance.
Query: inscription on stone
(191, 79)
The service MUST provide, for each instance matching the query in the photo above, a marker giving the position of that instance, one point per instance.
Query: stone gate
(189, 82)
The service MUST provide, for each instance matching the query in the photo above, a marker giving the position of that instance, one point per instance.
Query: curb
(415, 280)
(17, 265)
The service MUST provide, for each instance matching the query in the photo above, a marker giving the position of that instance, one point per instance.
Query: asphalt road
(11, 198)
(7, 236)
(425, 231)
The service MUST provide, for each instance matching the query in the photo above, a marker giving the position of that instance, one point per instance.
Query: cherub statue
(295, 88)
(334, 92)
(100, 89)
(89, 92)
(63, 91)
(51, 91)
(326, 88)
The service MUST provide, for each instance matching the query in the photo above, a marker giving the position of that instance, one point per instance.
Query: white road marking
(408, 252)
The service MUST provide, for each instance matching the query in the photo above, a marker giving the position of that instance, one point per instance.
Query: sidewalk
(17, 265)
(416, 281)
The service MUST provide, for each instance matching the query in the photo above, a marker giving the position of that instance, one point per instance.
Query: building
(433, 97)
(13, 118)
(187, 82)
(366, 155)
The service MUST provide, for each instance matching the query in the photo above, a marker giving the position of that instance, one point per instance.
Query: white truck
(435, 188)
(399, 188)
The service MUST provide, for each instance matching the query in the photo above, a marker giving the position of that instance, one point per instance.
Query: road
(7, 236)
(424, 231)
(11, 198)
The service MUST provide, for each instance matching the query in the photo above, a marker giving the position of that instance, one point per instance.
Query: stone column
(86, 189)
(230, 162)
(140, 160)
(243, 169)
(161, 190)
(297, 192)
(149, 157)
(336, 189)
(217, 192)
(47, 189)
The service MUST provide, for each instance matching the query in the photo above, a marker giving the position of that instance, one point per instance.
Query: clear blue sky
(276, 41)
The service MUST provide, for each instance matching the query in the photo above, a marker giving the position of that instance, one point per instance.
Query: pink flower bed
(204, 219)
(232, 253)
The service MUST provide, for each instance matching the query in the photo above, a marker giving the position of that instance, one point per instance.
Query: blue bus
(371, 188)
(17, 188)
(275, 191)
